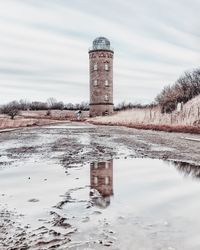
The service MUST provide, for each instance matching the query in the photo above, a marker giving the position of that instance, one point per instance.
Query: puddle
(120, 203)
(69, 126)
(127, 202)
(54, 201)
(144, 201)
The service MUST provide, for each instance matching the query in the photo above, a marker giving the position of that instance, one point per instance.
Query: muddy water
(120, 203)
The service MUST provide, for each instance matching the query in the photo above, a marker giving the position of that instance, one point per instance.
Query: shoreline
(43, 158)
(154, 127)
(31, 122)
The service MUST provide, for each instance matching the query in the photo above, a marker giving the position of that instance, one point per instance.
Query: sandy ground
(19, 122)
(39, 118)
(69, 146)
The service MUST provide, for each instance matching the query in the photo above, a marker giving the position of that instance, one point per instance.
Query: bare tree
(54, 104)
(124, 106)
(11, 109)
(184, 89)
(24, 104)
(78, 106)
(51, 102)
(69, 106)
(38, 106)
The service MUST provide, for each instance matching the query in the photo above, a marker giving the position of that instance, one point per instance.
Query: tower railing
(100, 48)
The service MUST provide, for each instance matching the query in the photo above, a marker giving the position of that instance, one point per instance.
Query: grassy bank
(39, 118)
(155, 127)
(186, 120)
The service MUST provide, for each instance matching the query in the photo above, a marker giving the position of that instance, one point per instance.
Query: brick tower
(101, 77)
(101, 180)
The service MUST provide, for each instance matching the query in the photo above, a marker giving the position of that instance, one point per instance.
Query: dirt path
(105, 141)
(65, 148)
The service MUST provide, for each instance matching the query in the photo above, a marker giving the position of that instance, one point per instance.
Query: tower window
(106, 97)
(107, 180)
(95, 66)
(95, 83)
(106, 83)
(95, 180)
(106, 66)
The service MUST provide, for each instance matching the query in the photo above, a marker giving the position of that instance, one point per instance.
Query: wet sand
(79, 186)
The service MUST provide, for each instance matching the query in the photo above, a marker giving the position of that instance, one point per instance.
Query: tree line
(184, 89)
(126, 106)
(13, 108)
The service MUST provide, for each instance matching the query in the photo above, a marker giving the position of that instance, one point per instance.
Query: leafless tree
(51, 102)
(24, 104)
(184, 89)
(124, 106)
(38, 106)
(11, 109)
(54, 104)
(78, 106)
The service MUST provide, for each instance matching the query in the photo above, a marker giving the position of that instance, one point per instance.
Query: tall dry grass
(187, 120)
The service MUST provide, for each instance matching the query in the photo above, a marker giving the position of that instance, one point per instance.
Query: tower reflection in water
(101, 182)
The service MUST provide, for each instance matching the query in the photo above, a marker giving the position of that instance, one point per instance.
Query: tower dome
(101, 43)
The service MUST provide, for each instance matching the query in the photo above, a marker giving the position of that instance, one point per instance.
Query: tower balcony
(100, 48)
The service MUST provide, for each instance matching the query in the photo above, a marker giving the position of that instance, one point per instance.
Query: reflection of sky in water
(147, 186)
(151, 190)
(139, 190)
(144, 184)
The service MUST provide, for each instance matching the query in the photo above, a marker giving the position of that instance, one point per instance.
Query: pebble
(97, 212)
(33, 200)
(86, 219)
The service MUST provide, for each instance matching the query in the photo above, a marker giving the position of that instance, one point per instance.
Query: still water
(130, 203)
(151, 204)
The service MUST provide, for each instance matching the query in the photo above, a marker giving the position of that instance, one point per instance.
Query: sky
(44, 46)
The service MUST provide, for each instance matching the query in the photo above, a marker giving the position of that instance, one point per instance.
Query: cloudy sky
(44, 46)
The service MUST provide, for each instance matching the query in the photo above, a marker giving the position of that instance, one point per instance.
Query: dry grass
(18, 122)
(54, 114)
(186, 121)
(155, 127)
(39, 118)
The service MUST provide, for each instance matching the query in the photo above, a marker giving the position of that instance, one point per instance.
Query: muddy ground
(71, 146)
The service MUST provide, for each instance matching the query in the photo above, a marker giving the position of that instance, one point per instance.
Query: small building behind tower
(101, 77)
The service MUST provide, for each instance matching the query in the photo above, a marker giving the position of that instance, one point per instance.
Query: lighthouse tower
(101, 77)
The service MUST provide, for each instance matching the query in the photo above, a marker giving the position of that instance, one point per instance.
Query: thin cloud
(44, 46)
